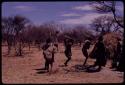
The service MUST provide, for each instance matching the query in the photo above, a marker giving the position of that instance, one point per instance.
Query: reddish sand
(22, 69)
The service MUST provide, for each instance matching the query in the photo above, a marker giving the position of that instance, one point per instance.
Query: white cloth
(48, 52)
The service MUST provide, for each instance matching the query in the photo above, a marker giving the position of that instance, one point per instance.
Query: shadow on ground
(75, 68)
(87, 68)
(40, 70)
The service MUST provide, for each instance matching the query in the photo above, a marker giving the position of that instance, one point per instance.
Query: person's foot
(93, 65)
(65, 64)
(99, 69)
(85, 66)
(112, 67)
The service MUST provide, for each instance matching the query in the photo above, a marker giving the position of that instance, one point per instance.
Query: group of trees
(18, 30)
(12, 29)
(104, 24)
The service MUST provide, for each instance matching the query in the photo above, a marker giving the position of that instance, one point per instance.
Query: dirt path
(25, 69)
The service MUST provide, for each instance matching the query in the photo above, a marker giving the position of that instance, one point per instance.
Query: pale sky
(63, 12)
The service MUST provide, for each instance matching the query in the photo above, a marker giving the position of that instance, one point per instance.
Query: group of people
(100, 53)
(49, 49)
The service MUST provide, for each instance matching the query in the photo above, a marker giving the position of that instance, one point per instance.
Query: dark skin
(49, 61)
(85, 53)
(44, 48)
(117, 56)
(68, 43)
(100, 50)
(46, 63)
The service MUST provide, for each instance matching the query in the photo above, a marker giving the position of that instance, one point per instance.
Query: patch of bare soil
(27, 69)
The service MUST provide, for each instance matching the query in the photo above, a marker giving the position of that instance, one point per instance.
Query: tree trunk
(9, 46)
(20, 49)
(115, 17)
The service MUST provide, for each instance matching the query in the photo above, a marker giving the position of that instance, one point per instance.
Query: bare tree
(13, 26)
(28, 35)
(77, 33)
(8, 31)
(104, 24)
(19, 23)
(109, 6)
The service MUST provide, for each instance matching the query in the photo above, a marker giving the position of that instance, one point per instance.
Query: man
(84, 50)
(68, 42)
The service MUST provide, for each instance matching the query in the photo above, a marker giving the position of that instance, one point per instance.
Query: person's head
(56, 45)
(87, 44)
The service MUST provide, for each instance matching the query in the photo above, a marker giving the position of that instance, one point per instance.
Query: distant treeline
(18, 30)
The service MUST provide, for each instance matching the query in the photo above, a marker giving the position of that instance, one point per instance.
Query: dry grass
(25, 69)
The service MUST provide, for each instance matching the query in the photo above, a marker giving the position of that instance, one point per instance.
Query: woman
(100, 54)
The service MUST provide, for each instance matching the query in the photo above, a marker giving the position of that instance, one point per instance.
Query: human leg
(85, 61)
(68, 59)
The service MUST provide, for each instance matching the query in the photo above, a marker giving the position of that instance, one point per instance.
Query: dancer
(68, 42)
(84, 50)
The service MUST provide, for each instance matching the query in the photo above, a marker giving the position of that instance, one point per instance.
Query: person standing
(100, 54)
(68, 42)
(45, 47)
(84, 50)
(49, 49)
(120, 56)
(117, 56)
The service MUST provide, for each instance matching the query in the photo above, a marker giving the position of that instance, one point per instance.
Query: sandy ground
(26, 69)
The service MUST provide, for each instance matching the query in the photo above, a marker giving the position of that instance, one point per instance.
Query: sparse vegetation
(21, 37)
